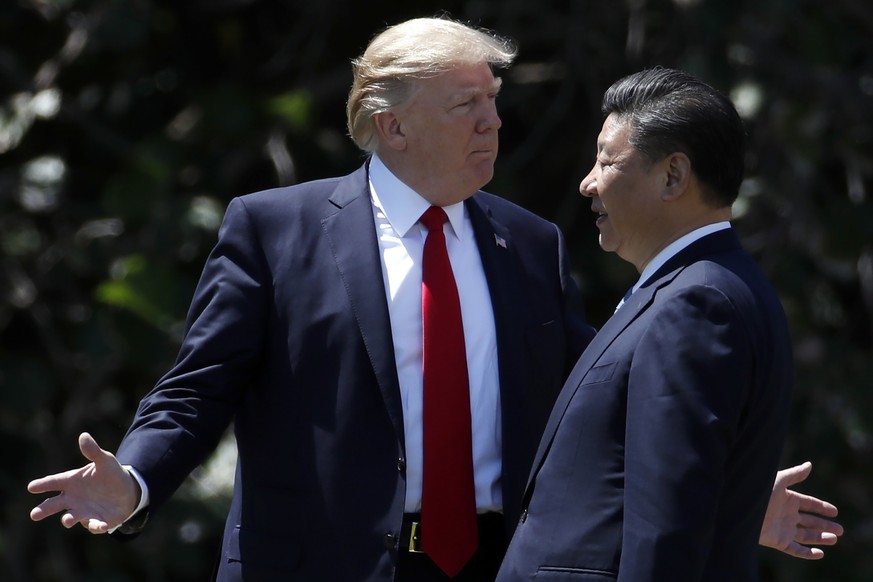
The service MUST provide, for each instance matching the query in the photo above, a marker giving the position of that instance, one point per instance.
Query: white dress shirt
(671, 250)
(396, 209)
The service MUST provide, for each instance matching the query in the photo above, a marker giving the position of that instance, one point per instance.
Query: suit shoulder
(735, 272)
(733, 279)
(510, 212)
(297, 194)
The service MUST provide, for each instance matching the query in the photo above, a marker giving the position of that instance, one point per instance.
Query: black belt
(490, 526)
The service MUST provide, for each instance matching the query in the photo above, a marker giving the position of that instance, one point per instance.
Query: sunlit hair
(385, 75)
(671, 111)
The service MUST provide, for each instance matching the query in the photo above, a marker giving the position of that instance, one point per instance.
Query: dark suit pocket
(598, 374)
(560, 574)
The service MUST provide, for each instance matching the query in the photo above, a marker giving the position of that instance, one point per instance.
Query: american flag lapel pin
(500, 241)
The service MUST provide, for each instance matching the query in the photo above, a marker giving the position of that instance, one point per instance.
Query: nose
(490, 118)
(588, 186)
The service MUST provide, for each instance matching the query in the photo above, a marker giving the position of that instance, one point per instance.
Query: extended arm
(180, 421)
(693, 504)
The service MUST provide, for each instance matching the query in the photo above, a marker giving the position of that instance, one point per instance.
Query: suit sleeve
(181, 420)
(686, 392)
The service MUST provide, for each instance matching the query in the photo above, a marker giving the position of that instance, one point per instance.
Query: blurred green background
(126, 126)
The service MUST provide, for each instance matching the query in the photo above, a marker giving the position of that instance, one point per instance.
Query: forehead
(462, 79)
(615, 134)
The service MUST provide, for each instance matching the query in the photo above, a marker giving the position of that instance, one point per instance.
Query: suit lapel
(501, 267)
(602, 340)
(720, 241)
(494, 241)
(352, 236)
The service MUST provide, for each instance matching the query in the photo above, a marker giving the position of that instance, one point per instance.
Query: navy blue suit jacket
(289, 337)
(658, 460)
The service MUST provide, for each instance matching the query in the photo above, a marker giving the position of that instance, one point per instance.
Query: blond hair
(385, 75)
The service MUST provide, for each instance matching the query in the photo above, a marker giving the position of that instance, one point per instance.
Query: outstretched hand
(100, 495)
(794, 521)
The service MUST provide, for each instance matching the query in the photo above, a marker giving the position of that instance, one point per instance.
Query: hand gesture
(100, 495)
(795, 521)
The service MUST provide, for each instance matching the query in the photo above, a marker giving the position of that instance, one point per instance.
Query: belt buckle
(415, 538)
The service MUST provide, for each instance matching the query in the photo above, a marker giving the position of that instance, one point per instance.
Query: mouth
(601, 216)
(483, 152)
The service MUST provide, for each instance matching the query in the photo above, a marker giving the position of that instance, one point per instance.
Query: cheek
(443, 144)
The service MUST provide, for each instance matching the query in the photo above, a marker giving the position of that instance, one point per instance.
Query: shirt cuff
(143, 496)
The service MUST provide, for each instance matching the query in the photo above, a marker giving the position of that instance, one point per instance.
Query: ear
(390, 131)
(679, 176)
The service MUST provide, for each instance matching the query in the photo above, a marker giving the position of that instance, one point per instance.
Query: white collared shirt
(673, 249)
(396, 210)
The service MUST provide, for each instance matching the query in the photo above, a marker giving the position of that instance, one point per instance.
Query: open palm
(99, 495)
(795, 521)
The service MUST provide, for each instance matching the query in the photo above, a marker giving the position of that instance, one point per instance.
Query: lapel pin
(500, 241)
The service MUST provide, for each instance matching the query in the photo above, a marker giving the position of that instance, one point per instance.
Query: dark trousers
(482, 567)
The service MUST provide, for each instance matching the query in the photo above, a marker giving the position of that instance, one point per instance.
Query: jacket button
(392, 542)
(401, 465)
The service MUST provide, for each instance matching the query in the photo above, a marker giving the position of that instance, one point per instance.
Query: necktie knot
(433, 218)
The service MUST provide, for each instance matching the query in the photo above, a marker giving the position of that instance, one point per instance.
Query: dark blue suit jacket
(658, 460)
(289, 338)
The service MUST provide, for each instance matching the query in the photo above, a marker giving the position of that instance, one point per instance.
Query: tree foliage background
(127, 125)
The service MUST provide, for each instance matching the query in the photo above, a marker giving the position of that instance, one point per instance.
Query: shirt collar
(403, 206)
(672, 249)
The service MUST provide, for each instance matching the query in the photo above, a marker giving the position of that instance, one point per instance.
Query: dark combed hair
(671, 111)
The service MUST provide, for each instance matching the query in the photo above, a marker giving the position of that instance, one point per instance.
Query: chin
(607, 245)
(481, 180)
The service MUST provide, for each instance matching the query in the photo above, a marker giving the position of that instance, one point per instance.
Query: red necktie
(448, 500)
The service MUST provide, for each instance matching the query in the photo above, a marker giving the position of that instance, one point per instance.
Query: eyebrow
(470, 91)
